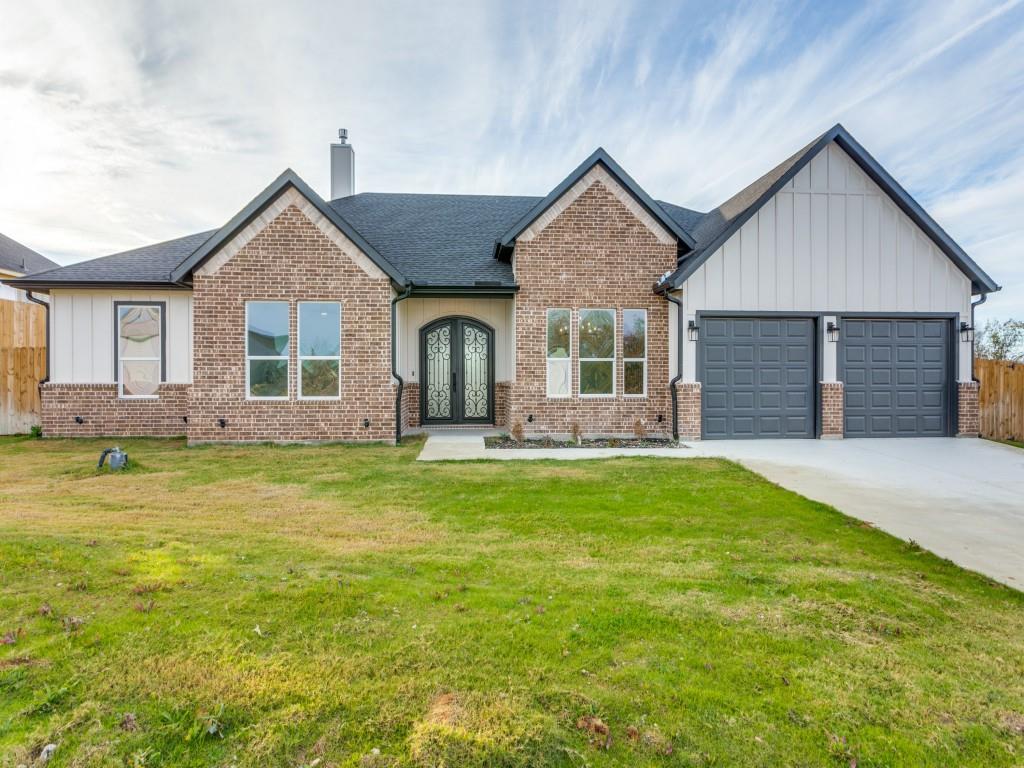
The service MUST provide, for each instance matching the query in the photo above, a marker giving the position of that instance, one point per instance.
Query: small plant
(36, 431)
(576, 432)
(517, 433)
(639, 430)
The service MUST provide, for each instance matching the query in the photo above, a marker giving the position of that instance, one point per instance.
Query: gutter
(394, 362)
(679, 359)
(45, 305)
(981, 300)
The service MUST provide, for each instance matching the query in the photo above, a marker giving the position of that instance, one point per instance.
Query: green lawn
(346, 606)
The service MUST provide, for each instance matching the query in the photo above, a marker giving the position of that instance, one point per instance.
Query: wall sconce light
(185, 419)
(966, 332)
(693, 330)
(79, 420)
(661, 418)
(832, 331)
(366, 423)
(222, 423)
(529, 419)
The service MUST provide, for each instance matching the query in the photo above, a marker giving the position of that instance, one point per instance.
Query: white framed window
(597, 352)
(634, 352)
(559, 352)
(267, 348)
(139, 348)
(319, 350)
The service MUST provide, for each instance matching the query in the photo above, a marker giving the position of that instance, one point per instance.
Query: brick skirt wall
(688, 403)
(832, 409)
(104, 414)
(410, 405)
(502, 392)
(968, 423)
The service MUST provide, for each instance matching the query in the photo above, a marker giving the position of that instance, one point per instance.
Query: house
(820, 301)
(17, 260)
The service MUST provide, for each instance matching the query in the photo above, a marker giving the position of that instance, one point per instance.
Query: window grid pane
(139, 349)
(559, 352)
(319, 350)
(267, 347)
(597, 352)
(634, 352)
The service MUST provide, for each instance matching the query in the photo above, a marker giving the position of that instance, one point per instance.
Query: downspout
(981, 300)
(45, 305)
(679, 361)
(394, 362)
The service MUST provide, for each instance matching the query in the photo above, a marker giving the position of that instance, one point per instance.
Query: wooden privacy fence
(22, 364)
(1001, 399)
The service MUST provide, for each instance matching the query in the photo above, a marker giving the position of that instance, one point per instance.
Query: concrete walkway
(961, 499)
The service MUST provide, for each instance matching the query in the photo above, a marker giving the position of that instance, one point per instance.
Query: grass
(1014, 443)
(346, 606)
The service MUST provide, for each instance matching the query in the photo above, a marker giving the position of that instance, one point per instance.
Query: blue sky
(126, 123)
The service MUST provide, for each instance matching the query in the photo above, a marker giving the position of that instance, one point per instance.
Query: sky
(127, 123)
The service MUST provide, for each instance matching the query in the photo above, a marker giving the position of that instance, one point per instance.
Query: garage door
(757, 377)
(895, 374)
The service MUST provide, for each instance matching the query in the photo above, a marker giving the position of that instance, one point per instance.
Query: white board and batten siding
(415, 313)
(830, 241)
(82, 334)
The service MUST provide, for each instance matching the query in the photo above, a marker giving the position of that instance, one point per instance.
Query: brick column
(688, 393)
(831, 410)
(968, 422)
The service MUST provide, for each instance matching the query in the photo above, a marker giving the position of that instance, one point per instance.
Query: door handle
(453, 381)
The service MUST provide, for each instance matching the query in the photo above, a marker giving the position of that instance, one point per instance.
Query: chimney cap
(343, 135)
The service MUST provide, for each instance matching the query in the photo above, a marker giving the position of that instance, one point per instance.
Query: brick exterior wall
(105, 414)
(502, 395)
(688, 401)
(832, 404)
(968, 423)
(291, 260)
(594, 254)
(410, 405)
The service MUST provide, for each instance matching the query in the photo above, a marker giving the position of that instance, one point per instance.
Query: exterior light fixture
(966, 331)
(79, 420)
(366, 423)
(529, 419)
(832, 331)
(185, 419)
(693, 330)
(661, 418)
(222, 423)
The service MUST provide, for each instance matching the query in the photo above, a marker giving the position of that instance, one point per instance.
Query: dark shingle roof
(149, 264)
(440, 239)
(16, 257)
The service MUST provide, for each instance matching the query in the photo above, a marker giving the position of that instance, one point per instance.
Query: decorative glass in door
(438, 349)
(457, 362)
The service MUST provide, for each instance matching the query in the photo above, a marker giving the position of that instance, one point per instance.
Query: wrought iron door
(457, 365)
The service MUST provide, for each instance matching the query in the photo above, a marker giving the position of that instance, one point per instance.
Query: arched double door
(456, 372)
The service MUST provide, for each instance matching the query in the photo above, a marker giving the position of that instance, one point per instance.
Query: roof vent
(343, 167)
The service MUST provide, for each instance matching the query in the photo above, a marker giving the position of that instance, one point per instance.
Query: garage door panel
(897, 379)
(763, 384)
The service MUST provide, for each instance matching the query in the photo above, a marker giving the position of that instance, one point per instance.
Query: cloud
(131, 123)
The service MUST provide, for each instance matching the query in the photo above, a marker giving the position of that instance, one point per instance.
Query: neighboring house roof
(20, 259)
(723, 222)
(599, 157)
(451, 240)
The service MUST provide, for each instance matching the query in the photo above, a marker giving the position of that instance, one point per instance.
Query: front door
(457, 365)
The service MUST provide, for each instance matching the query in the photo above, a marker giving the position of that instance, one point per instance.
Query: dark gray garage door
(757, 377)
(895, 376)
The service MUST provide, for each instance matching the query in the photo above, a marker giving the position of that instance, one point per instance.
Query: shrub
(639, 430)
(36, 431)
(576, 432)
(517, 432)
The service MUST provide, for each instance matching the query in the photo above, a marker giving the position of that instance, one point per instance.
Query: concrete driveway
(963, 499)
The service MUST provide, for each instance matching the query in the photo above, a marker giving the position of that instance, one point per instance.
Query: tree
(1001, 340)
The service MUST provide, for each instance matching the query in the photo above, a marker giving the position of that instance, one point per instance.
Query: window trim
(547, 359)
(633, 359)
(580, 359)
(287, 358)
(162, 305)
(298, 348)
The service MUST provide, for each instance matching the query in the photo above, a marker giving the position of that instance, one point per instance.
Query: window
(139, 352)
(319, 349)
(634, 352)
(559, 351)
(597, 352)
(266, 350)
